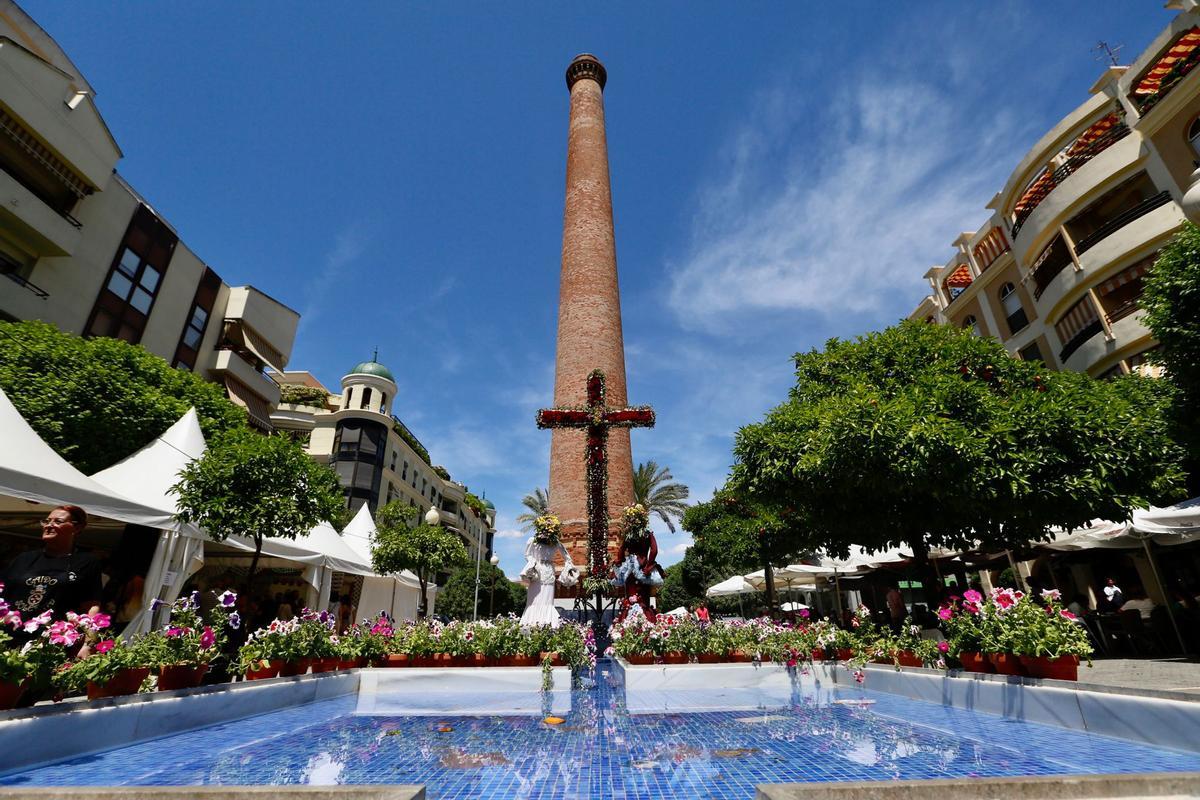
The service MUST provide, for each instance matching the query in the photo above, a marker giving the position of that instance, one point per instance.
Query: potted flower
(997, 627)
(910, 649)
(1047, 639)
(268, 649)
(114, 668)
(183, 649)
(32, 665)
(375, 639)
(631, 640)
(712, 642)
(314, 638)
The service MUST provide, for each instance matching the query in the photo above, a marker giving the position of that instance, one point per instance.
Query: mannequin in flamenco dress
(636, 570)
(540, 550)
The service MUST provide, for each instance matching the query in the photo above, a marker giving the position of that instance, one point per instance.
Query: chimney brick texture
(589, 316)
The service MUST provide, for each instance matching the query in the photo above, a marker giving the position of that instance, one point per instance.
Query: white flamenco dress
(539, 571)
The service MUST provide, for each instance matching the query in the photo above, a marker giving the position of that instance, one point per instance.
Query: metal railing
(1121, 220)
(1083, 334)
(1123, 310)
(25, 283)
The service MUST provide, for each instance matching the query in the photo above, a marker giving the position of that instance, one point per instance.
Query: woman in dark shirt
(57, 578)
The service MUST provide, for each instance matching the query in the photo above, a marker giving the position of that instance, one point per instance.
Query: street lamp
(494, 560)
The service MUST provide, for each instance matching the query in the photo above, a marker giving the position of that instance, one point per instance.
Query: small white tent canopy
(789, 576)
(860, 559)
(1177, 524)
(31, 470)
(399, 595)
(147, 476)
(731, 586)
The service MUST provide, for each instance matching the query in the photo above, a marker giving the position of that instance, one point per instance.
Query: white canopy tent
(399, 595)
(31, 470)
(148, 476)
(731, 586)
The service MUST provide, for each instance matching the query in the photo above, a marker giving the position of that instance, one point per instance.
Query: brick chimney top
(586, 65)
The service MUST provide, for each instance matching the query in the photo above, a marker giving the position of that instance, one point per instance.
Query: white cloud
(511, 533)
(836, 210)
(348, 246)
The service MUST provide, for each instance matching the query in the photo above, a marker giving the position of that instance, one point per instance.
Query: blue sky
(782, 173)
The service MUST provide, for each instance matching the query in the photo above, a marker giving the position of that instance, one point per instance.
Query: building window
(972, 324)
(1032, 353)
(383, 402)
(392, 466)
(134, 278)
(197, 321)
(358, 448)
(1014, 313)
(349, 396)
(366, 398)
(404, 474)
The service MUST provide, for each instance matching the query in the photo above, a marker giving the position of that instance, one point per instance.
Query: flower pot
(295, 667)
(180, 676)
(127, 681)
(740, 657)
(269, 671)
(479, 660)
(1006, 663)
(906, 658)
(398, 660)
(640, 659)
(324, 665)
(424, 661)
(504, 661)
(360, 662)
(845, 653)
(462, 661)
(709, 658)
(524, 661)
(675, 657)
(975, 662)
(556, 659)
(10, 694)
(818, 654)
(1063, 668)
(347, 663)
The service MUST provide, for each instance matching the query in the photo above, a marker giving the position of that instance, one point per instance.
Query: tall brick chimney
(589, 313)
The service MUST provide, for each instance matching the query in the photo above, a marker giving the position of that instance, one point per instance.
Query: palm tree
(650, 488)
(538, 504)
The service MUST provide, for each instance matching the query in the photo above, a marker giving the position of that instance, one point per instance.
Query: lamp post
(494, 561)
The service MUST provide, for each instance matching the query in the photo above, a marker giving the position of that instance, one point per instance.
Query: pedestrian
(1114, 598)
(897, 611)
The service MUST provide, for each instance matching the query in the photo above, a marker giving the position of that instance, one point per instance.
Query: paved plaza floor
(1161, 674)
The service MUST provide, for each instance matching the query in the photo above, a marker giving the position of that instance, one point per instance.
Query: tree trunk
(258, 543)
(769, 572)
(423, 603)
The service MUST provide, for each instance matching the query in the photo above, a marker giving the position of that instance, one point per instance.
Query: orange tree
(925, 435)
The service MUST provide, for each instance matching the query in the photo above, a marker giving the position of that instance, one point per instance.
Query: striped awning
(1037, 191)
(1079, 317)
(40, 153)
(960, 278)
(257, 408)
(1184, 45)
(1128, 275)
(990, 248)
(1097, 129)
(262, 348)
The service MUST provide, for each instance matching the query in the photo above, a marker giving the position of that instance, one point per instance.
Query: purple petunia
(227, 598)
(235, 620)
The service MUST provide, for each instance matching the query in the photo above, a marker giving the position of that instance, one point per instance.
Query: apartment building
(82, 249)
(377, 458)
(1056, 271)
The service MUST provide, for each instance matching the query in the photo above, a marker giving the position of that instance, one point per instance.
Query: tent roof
(31, 470)
(148, 475)
(357, 535)
(322, 545)
(735, 585)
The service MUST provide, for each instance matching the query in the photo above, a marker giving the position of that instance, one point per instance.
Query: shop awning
(1184, 45)
(256, 407)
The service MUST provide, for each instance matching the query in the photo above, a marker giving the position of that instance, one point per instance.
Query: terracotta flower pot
(479, 660)
(818, 654)
(180, 676)
(708, 658)
(125, 682)
(297, 667)
(324, 664)
(675, 657)
(504, 661)
(522, 660)
(740, 657)
(556, 659)
(640, 659)
(347, 663)
(1006, 663)
(1063, 668)
(908, 659)
(462, 661)
(360, 662)
(269, 671)
(976, 662)
(845, 653)
(10, 694)
(424, 661)
(398, 660)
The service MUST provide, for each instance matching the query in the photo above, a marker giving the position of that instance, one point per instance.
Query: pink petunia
(804, 613)
(945, 613)
(63, 633)
(972, 596)
(207, 638)
(33, 624)
(943, 646)
(104, 646)
(1067, 614)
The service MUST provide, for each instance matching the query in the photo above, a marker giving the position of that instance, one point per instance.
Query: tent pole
(1163, 589)
(1016, 572)
(837, 593)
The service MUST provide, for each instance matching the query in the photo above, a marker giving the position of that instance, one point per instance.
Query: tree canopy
(424, 550)
(926, 435)
(1171, 301)
(96, 401)
(247, 484)
(457, 598)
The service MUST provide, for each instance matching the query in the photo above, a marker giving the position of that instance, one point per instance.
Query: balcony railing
(1123, 310)
(24, 283)
(1054, 259)
(1084, 333)
(1072, 165)
(1120, 221)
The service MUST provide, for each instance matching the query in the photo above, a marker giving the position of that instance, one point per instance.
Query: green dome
(373, 368)
(488, 504)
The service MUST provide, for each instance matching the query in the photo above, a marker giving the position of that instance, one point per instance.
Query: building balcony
(41, 229)
(1094, 349)
(1115, 224)
(1077, 157)
(268, 326)
(247, 386)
